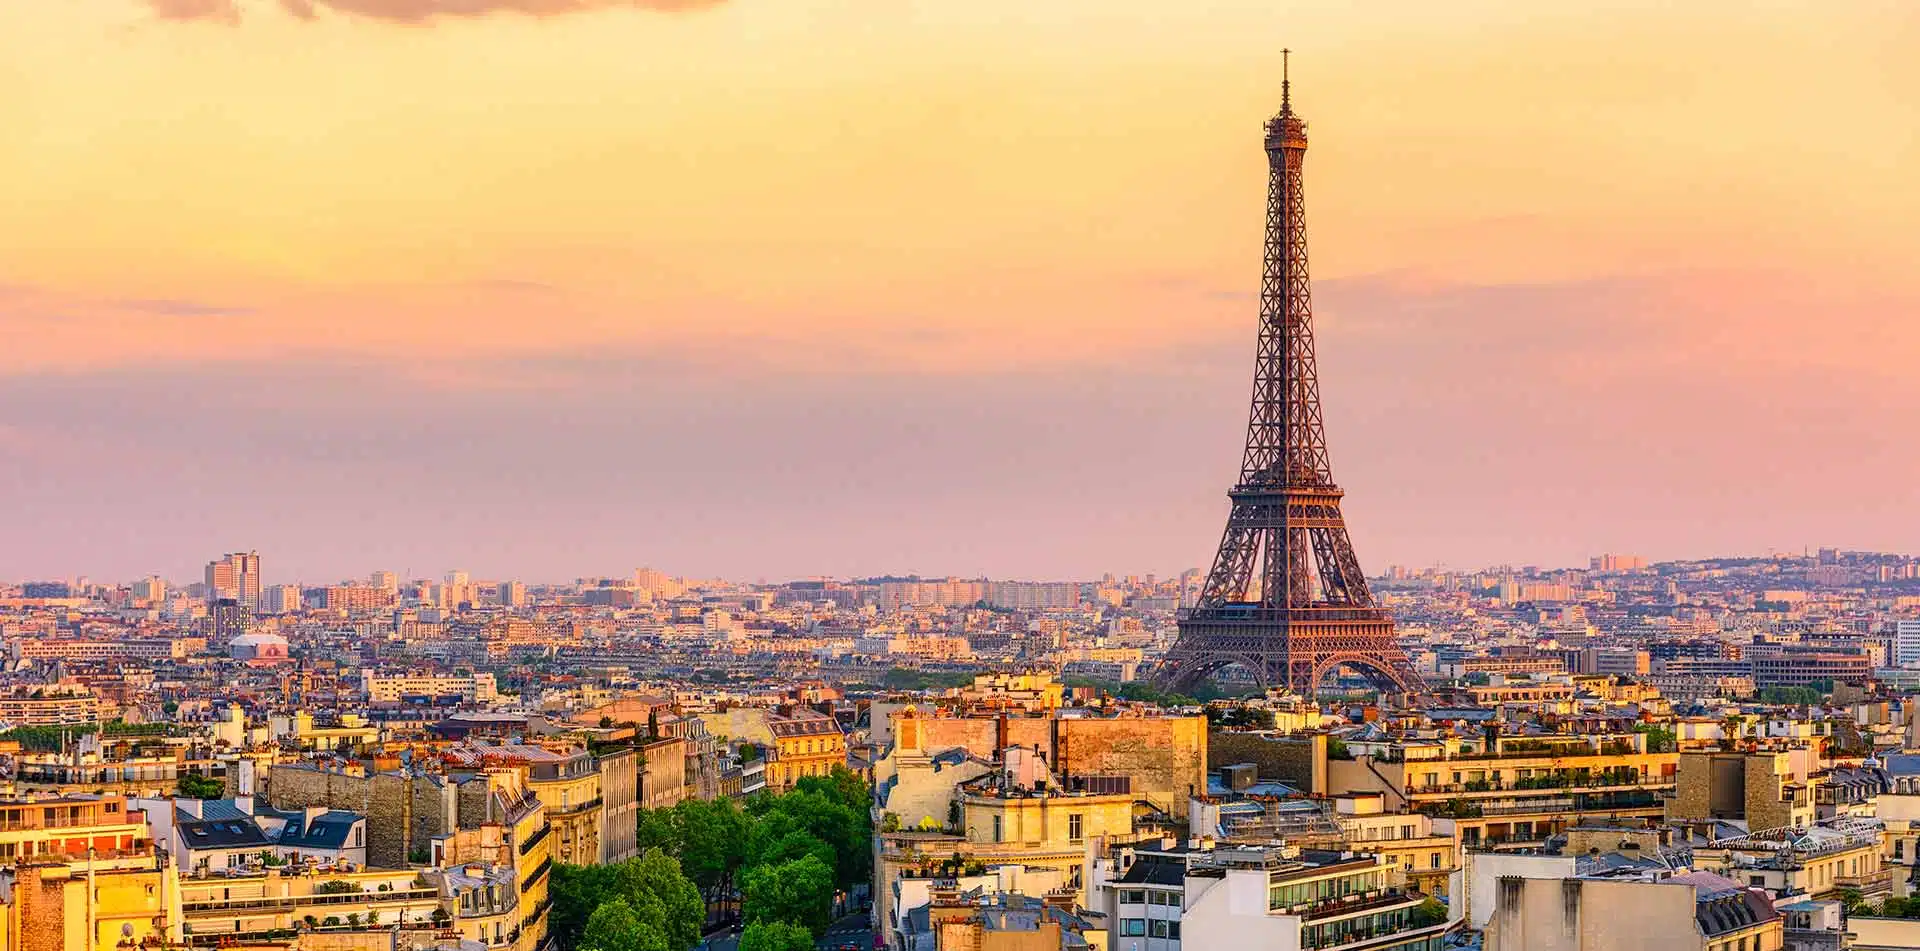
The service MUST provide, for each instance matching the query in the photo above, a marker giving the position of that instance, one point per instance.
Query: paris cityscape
(678, 676)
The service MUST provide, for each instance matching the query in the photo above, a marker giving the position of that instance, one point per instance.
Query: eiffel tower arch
(1286, 599)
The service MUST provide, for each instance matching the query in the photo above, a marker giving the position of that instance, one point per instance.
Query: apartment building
(1516, 790)
(804, 744)
(1265, 897)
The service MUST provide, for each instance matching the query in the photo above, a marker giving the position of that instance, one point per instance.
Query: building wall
(1231, 912)
(620, 788)
(1537, 914)
(663, 776)
(1165, 756)
(1298, 761)
(403, 813)
(50, 912)
(797, 757)
(574, 810)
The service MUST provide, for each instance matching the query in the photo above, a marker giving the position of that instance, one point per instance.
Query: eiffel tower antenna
(1286, 599)
(1286, 81)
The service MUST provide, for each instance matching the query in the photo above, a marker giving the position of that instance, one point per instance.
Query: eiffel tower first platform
(1286, 598)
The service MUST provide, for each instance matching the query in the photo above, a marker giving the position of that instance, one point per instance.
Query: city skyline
(486, 319)
(387, 578)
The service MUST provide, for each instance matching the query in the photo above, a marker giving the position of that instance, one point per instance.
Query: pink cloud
(414, 11)
(219, 11)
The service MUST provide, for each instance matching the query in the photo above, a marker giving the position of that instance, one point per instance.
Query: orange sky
(1654, 226)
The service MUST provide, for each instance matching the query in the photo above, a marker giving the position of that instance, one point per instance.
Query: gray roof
(329, 830)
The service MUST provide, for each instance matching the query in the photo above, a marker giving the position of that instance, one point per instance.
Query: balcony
(287, 902)
(534, 839)
(536, 874)
(538, 910)
(576, 808)
(1332, 908)
(1555, 784)
(1878, 882)
(1383, 939)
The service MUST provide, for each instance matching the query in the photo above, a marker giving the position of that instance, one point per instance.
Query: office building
(235, 577)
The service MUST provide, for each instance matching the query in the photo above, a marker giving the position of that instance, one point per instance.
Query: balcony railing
(538, 910)
(534, 839)
(1866, 883)
(282, 902)
(1352, 904)
(576, 808)
(1571, 784)
(535, 875)
(1356, 941)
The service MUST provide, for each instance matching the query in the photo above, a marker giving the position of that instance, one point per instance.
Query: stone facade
(1298, 761)
(404, 813)
(1165, 757)
(1759, 787)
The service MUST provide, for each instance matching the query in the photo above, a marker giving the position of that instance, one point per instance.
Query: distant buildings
(280, 599)
(235, 577)
(1906, 643)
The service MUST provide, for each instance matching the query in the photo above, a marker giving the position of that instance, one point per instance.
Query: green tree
(651, 888)
(780, 836)
(196, 786)
(657, 829)
(820, 811)
(577, 891)
(1659, 738)
(775, 936)
(712, 842)
(657, 876)
(798, 892)
(616, 926)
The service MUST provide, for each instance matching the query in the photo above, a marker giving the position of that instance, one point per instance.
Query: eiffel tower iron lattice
(1286, 598)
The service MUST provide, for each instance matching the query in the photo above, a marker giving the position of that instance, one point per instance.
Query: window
(1157, 928)
(1132, 896)
(1076, 827)
(1435, 859)
(1133, 927)
(1173, 930)
(996, 828)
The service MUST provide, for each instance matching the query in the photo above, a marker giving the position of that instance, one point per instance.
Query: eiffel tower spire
(1286, 598)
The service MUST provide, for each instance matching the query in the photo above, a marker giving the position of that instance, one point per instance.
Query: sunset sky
(776, 288)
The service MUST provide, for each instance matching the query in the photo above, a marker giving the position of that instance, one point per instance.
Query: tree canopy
(651, 889)
(798, 892)
(616, 926)
(790, 854)
(775, 936)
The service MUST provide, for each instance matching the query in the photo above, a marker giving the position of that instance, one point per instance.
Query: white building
(1906, 643)
(1282, 899)
(472, 688)
(280, 599)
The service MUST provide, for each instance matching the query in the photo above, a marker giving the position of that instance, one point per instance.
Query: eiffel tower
(1286, 599)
